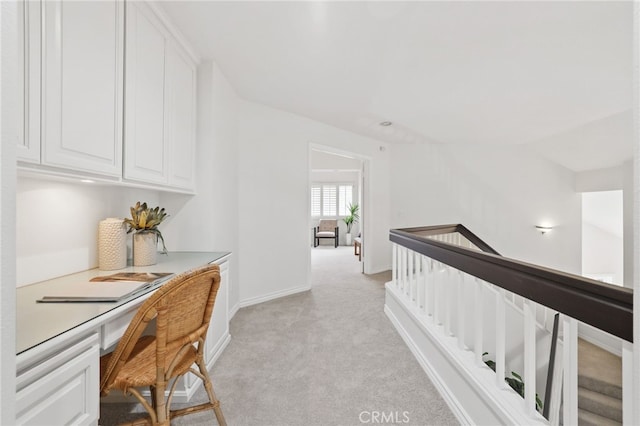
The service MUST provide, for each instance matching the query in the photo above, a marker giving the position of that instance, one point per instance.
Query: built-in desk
(59, 344)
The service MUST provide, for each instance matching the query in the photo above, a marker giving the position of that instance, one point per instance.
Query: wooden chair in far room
(182, 310)
(327, 228)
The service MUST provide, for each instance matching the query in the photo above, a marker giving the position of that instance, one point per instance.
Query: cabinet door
(145, 142)
(180, 104)
(62, 389)
(82, 85)
(27, 62)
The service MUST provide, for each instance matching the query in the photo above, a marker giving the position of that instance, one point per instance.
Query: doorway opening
(336, 192)
(603, 236)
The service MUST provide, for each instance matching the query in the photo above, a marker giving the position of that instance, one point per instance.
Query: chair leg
(160, 405)
(212, 396)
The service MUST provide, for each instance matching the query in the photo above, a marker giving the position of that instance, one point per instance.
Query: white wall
(498, 193)
(628, 194)
(209, 221)
(57, 224)
(325, 161)
(602, 253)
(615, 178)
(275, 232)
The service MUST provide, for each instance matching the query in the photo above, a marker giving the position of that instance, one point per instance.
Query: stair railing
(432, 265)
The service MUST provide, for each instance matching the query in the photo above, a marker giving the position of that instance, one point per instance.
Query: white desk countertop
(40, 322)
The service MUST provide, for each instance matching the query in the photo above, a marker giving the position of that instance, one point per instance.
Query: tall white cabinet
(180, 115)
(144, 97)
(82, 76)
(159, 103)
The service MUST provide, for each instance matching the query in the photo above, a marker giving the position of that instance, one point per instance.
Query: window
(316, 201)
(330, 199)
(345, 197)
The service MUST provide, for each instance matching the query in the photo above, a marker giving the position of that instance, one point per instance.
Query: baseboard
(234, 310)
(272, 296)
(220, 346)
(378, 270)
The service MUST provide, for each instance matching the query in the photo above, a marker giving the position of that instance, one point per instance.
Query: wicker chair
(182, 309)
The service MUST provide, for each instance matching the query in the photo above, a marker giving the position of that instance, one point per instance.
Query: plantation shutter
(329, 200)
(345, 198)
(315, 200)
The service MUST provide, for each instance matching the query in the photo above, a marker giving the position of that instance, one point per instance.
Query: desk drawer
(63, 389)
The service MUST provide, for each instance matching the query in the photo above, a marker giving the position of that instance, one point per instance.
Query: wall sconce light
(544, 229)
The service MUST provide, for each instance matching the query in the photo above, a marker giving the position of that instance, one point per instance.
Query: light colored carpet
(325, 357)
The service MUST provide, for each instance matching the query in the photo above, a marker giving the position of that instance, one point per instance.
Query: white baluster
(437, 301)
(411, 272)
(431, 285)
(627, 383)
(394, 267)
(570, 376)
(424, 267)
(529, 308)
(448, 288)
(479, 321)
(418, 273)
(403, 269)
(500, 338)
(461, 311)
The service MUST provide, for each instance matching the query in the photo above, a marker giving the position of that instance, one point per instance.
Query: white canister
(112, 244)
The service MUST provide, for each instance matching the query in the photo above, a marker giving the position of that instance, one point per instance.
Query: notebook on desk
(110, 288)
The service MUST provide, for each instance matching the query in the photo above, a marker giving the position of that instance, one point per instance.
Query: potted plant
(144, 224)
(351, 219)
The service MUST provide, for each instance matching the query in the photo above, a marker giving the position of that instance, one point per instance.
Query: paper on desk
(103, 291)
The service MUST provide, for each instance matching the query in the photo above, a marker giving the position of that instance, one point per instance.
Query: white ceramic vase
(348, 239)
(145, 249)
(112, 244)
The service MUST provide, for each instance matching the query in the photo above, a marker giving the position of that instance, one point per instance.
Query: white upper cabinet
(82, 86)
(180, 89)
(145, 156)
(27, 120)
(80, 108)
(159, 103)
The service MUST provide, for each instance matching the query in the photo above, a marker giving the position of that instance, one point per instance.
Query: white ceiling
(450, 72)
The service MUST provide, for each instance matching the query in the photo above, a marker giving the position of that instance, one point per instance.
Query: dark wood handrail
(604, 306)
(428, 231)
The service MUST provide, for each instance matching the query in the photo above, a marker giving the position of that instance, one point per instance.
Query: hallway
(324, 357)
